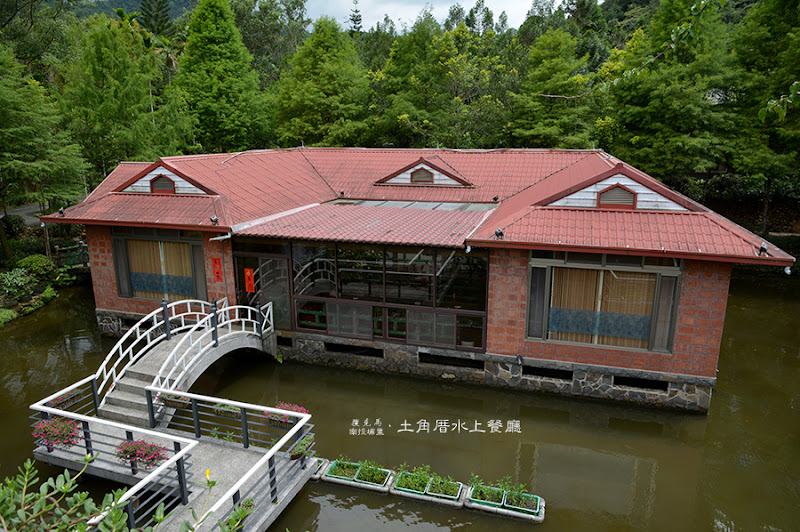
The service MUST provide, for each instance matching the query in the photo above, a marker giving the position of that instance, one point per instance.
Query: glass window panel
(664, 313)
(541, 254)
(243, 297)
(584, 258)
(625, 308)
(536, 301)
(420, 327)
(396, 323)
(469, 331)
(350, 320)
(272, 284)
(445, 332)
(311, 315)
(461, 279)
(377, 321)
(360, 272)
(314, 269)
(409, 276)
(669, 262)
(273, 247)
(573, 305)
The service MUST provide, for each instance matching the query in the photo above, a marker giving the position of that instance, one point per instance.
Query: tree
(220, 86)
(355, 19)
(155, 17)
(271, 30)
(111, 97)
(37, 158)
(539, 121)
(322, 96)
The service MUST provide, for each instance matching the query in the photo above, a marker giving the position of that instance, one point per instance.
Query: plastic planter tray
(388, 481)
(444, 496)
(507, 511)
(414, 494)
(403, 475)
(351, 481)
(532, 511)
(330, 475)
(480, 504)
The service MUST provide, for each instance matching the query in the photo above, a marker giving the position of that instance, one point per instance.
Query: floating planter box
(347, 473)
(482, 497)
(524, 512)
(410, 478)
(320, 466)
(372, 475)
(530, 504)
(446, 489)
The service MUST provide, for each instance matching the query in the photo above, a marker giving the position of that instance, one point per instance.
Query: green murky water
(600, 466)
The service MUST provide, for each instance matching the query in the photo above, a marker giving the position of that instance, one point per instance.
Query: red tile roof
(259, 184)
(377, 225)
(131, 209)
(698, 235)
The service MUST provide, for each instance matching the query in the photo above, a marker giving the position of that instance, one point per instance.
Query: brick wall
(698, 332)
(104, 277)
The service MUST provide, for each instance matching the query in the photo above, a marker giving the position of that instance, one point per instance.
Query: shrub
(15, 283)
(58, 432)
(7, 315)
(48, 294)
(14, 225)
(38, 266)
(63, 277)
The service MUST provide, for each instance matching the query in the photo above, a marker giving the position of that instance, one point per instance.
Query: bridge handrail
(261, 324)
(109, 368)
(186, 444)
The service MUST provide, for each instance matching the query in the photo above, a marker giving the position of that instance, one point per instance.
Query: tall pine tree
(221, 87)
(155, 17)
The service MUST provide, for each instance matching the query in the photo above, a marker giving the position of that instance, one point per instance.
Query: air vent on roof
(162, 185)
(616, 197)
(421, 176)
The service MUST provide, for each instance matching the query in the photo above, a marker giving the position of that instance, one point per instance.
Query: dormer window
(162, 185)
(616, 197)
(421, 176)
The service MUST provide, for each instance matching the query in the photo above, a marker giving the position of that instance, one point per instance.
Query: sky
(405, 12)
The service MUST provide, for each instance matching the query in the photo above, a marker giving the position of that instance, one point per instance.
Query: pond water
(600, 466)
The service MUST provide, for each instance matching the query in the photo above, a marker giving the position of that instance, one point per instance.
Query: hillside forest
(700, 95)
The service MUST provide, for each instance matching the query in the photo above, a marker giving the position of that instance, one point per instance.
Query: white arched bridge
(138, 397)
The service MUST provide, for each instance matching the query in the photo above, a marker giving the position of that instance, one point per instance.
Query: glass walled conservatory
(415, 295)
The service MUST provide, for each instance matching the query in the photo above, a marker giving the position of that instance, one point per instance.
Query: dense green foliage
(676, 88)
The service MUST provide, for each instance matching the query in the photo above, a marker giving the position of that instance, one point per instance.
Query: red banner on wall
(216, 265)
(249, 281)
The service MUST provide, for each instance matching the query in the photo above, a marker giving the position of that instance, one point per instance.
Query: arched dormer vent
(616, 197)
(422, 175)
(161, 184)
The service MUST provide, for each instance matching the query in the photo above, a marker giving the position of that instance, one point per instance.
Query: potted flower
(174, 400)
(483, 494)
(65, 400)
(226, 410)
(282, 420)
(240, 512)
(372, 473)
(57, 432)
(302, 447)
(141, 453)
(444, 488)
(414, 481)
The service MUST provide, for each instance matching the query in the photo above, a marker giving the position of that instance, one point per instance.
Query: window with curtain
(602, 304)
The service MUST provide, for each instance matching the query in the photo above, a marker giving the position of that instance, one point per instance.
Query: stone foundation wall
(683, 392)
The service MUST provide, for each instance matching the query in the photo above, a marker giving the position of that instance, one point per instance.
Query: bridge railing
(149, 331)
(167, 483)
(274, 430)
(204, 336)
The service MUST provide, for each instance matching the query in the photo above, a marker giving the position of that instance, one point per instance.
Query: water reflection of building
(564, 271)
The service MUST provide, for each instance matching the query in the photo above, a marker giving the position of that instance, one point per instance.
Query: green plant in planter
(302, 446)
(343, 467)
(415, 480)
(485, 494)
(518, 499)
(445, 486)
(372, 472)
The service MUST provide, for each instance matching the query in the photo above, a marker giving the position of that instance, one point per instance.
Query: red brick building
(558, 270)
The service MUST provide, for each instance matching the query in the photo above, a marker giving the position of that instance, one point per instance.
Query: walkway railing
(167, 483)
(205, 335)
(72, 255)
(157, 326)
(276, 431)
